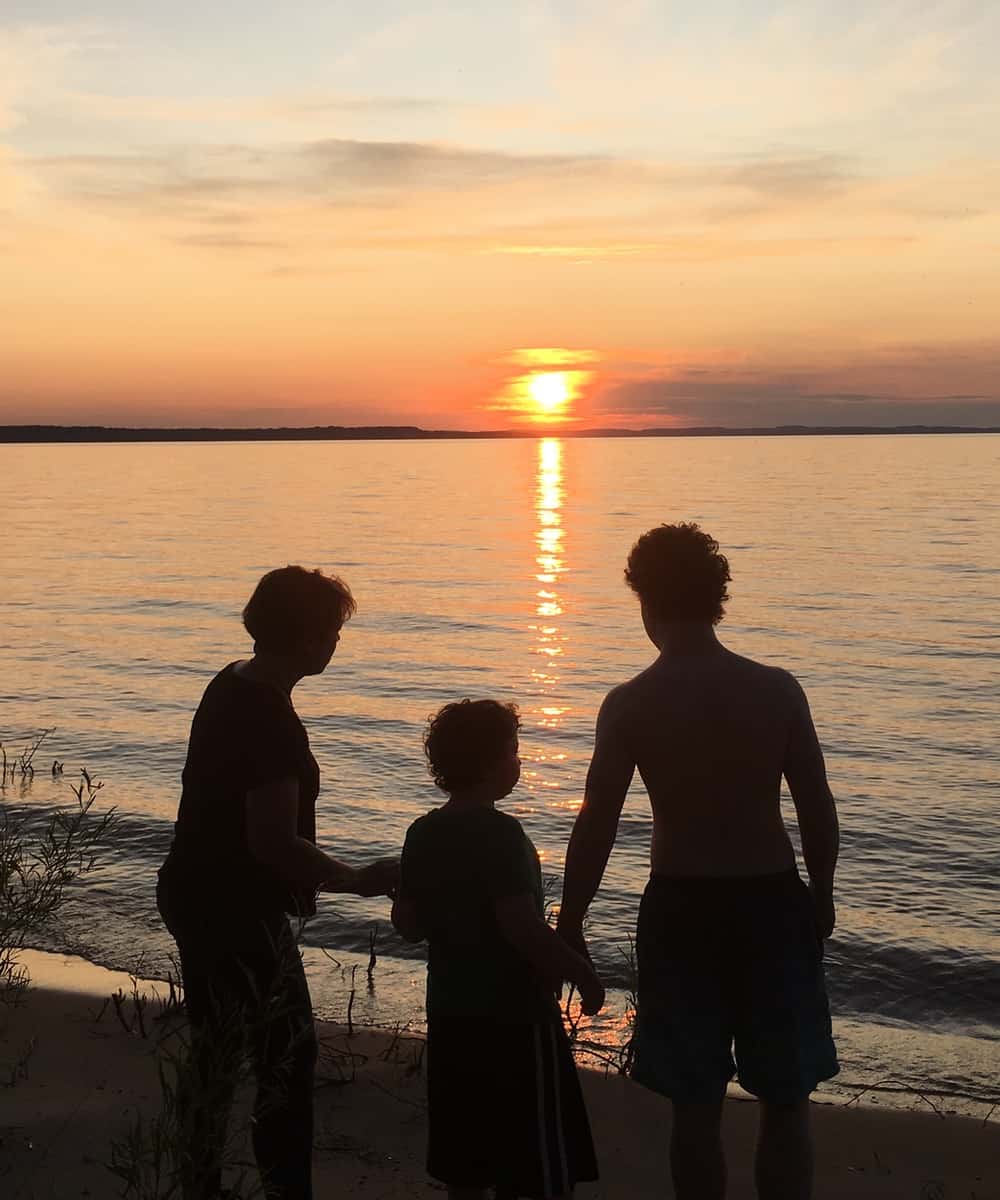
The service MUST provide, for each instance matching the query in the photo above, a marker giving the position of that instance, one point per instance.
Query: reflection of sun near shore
(548, 648)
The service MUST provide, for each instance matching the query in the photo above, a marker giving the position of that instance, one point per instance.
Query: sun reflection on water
(547, 710)
(550, 566)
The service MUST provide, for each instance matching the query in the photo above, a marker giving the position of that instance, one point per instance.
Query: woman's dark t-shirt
(244, 735)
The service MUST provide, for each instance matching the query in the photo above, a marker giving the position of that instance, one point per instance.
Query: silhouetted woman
(243, 860)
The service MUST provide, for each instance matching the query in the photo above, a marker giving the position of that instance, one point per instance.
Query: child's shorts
(505, 1108)
(731, 964)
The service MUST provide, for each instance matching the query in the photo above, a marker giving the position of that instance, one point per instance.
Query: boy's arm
(611, 769)
(815, 808)
(404, 916)
(551, 957)
(406, 920)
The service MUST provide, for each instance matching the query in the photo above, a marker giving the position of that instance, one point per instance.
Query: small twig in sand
(350, 1003)
(901, 1087)
(327, 955)
(372, 957)
(344, 1061)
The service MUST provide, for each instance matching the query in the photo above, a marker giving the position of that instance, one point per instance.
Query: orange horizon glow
(271, 233)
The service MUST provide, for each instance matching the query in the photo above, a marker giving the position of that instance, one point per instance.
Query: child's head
(472, 744)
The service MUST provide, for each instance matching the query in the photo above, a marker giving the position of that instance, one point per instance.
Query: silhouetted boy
(729, 942)
(505, 1108)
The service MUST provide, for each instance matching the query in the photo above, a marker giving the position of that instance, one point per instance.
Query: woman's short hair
(292, 606)
(679, 574)
(465, 740)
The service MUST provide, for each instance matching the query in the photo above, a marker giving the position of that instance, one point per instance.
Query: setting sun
(550, 392)
(549, 386)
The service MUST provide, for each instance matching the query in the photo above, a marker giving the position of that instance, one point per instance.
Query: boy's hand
(591, 995)
(573, 937)
(824, 911)
(380, 878)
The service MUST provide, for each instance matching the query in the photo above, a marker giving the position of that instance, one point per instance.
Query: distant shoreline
(344, 433)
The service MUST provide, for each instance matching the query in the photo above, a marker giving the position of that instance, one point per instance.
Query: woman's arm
(272, 814)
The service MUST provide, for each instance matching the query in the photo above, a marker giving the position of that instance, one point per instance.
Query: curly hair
(464, 740)
(292, 606)
(679, 574)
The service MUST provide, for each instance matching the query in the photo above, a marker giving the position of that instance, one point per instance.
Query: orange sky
(757, 216)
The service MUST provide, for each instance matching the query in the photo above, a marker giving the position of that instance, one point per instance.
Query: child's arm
(405, 919)
(520, 925)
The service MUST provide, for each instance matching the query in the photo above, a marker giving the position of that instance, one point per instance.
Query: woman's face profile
(320, 650)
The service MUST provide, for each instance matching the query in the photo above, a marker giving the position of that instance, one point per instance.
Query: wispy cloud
(229, 241)
(293, 107)
(586, 206)
(308, 168)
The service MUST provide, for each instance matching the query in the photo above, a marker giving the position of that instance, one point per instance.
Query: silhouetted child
(505, 1108)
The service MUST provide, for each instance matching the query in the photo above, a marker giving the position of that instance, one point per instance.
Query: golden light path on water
(602, 1037)
(549, 641)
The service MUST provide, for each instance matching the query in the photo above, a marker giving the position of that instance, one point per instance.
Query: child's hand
(591, 995)
(406, 921)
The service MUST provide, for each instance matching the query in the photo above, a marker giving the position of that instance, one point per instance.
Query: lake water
(869, 566)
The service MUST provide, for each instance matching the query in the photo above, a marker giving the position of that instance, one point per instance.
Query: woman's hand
(380, 878)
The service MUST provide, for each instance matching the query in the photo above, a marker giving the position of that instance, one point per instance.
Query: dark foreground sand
(81, 1078)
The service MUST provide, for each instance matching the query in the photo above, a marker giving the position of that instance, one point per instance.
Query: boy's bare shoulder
(736, 671)
(778, 684)
(777, 675)
(623, 698)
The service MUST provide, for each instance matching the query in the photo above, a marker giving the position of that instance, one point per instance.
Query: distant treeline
(335, 433)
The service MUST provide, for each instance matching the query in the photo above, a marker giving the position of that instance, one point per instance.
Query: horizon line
(45, 433)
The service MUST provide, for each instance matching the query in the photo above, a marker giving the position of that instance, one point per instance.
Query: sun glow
(550, 392)
(548, 388)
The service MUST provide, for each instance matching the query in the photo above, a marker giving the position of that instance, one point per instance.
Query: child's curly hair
(678, 572)
(465, 739)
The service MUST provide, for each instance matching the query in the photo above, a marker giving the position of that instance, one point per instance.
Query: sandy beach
(73, 1076)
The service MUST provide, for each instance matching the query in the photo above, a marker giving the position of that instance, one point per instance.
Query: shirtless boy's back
(729, 940)
(711, 734)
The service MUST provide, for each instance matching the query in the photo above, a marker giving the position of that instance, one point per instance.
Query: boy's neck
(685, 639)
(469, 798)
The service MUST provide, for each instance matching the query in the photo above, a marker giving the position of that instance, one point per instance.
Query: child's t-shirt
(455, 865)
